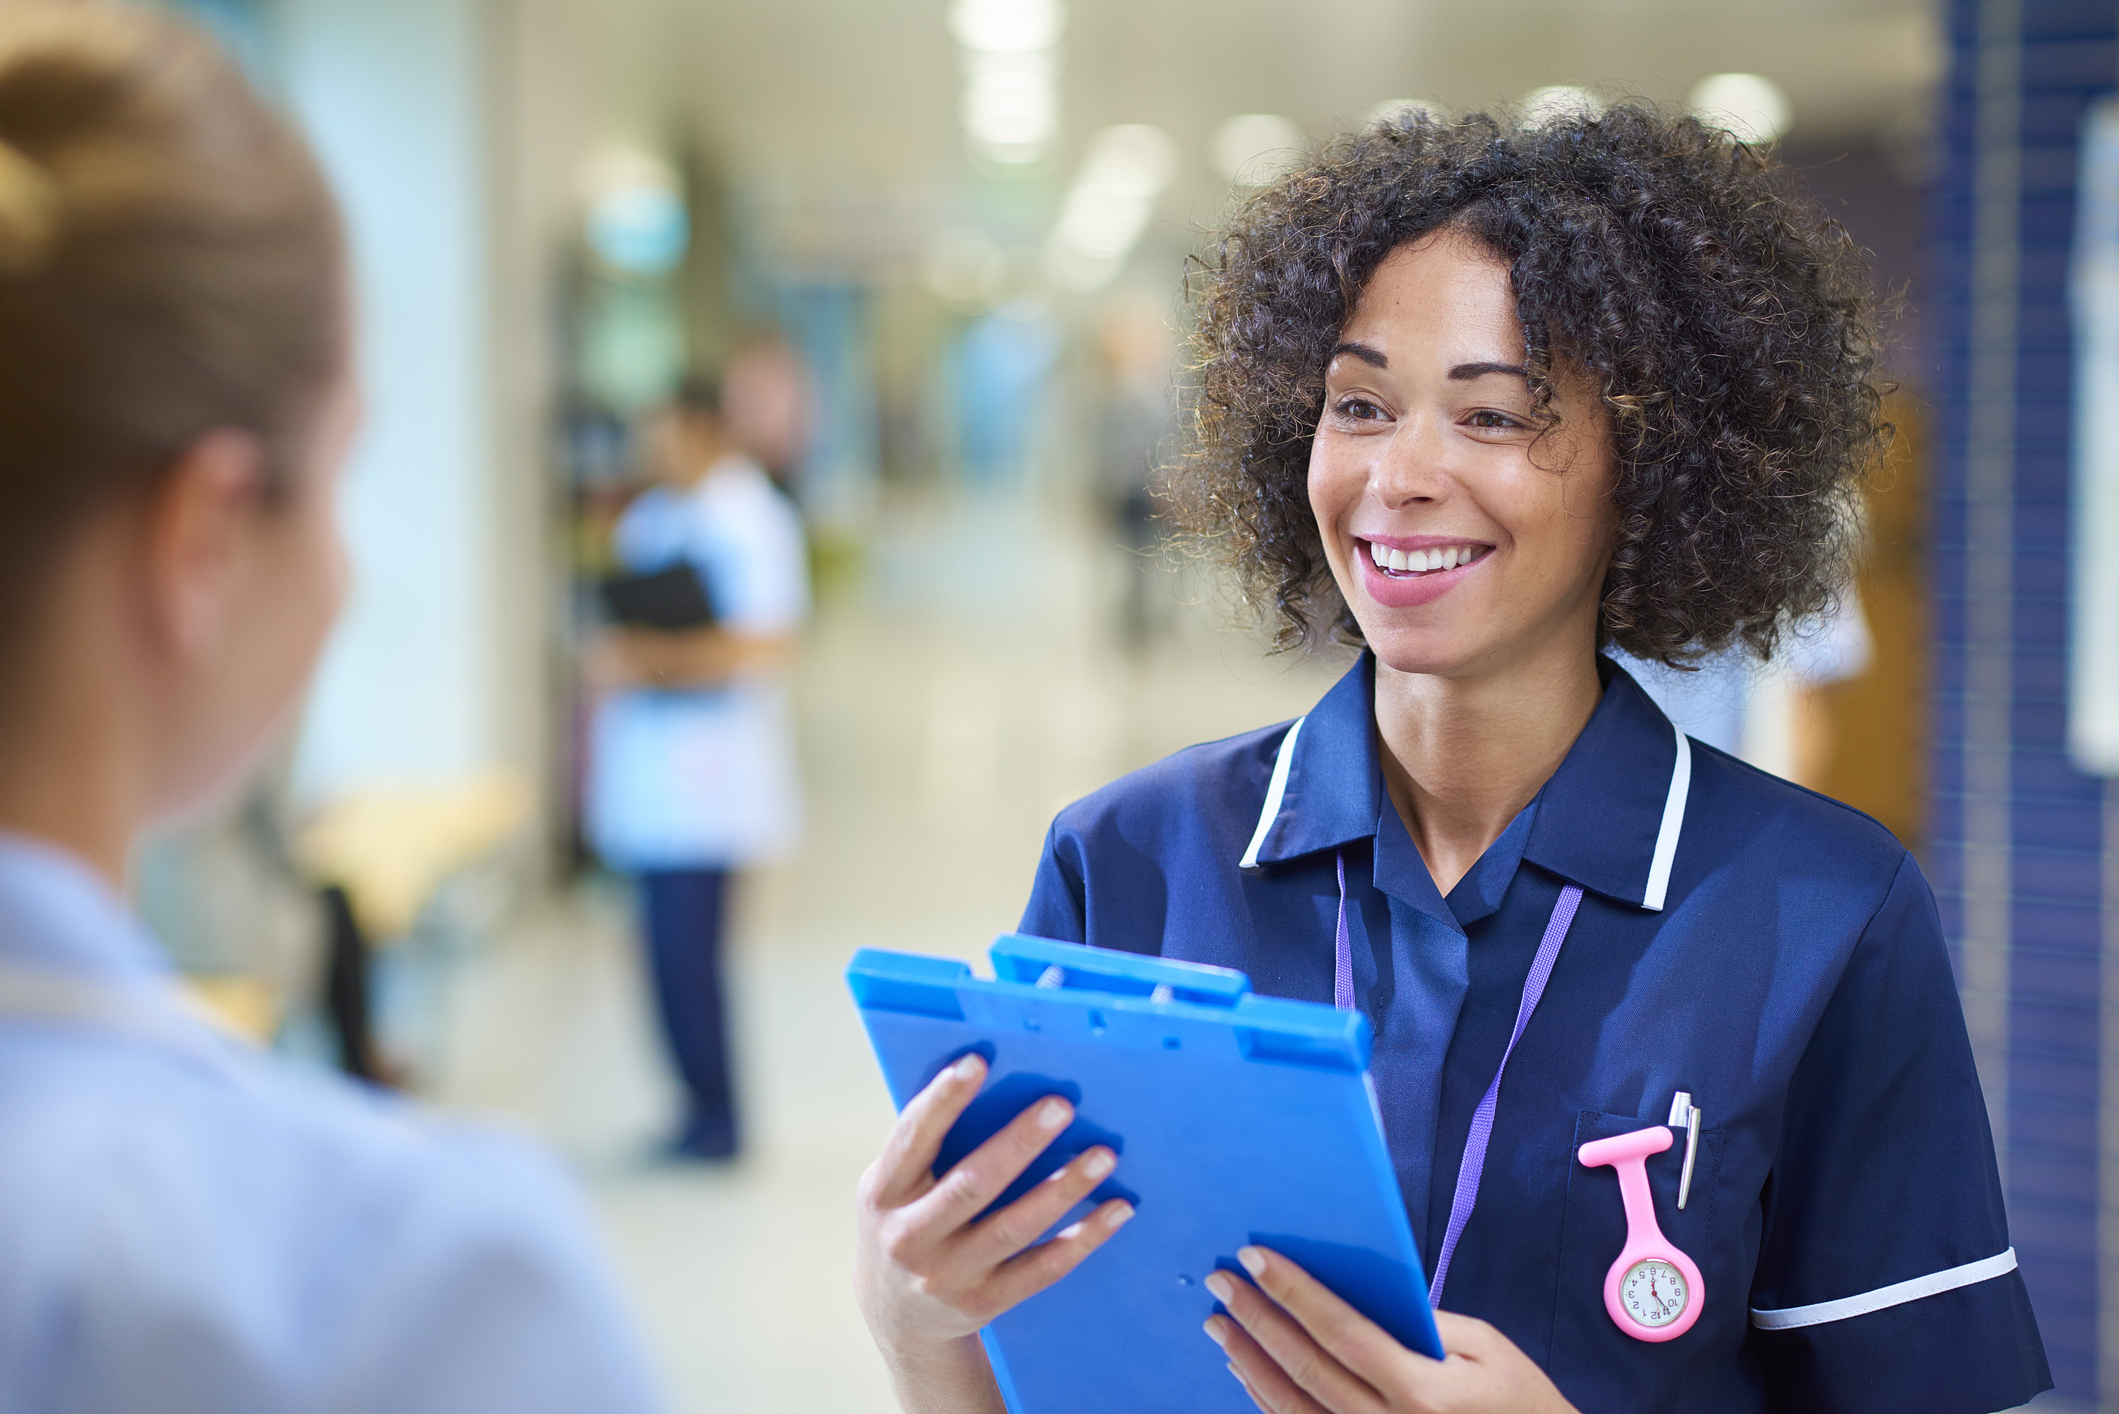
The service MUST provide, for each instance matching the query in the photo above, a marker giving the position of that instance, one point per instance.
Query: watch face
(1653, 1292)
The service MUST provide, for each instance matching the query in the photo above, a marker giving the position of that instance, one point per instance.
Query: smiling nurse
(1485, 399)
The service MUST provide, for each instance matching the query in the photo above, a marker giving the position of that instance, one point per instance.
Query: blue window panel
(2035, 1122)
(2048, 226)
(2058, 824)
(2048, 168)
(2058, 1078)
(2055, 1178)
(2056, 926)
(2057, 976)
(2040, 623)
(2051, 874)
(2054, 1029)
(2041, 676)
(2039, 721)
(2039, 369)
(2047, 321)
(2064, 19)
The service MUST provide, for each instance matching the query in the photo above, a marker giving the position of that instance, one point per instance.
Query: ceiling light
(1559, 103)
(1006, 26)
(1110, 204)
(1011, 104)
(1404, 112)
(1749, 107)
(1253, 148)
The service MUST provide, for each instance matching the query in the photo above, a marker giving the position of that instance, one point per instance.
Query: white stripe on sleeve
(1788, 1318)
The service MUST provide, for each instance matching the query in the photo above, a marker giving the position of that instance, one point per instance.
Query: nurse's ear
(199, 541)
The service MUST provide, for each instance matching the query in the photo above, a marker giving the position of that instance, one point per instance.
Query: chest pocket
(1595, 1364)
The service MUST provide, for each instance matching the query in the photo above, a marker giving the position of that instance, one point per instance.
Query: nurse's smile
(1400, 571)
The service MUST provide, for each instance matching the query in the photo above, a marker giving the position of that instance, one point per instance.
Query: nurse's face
(1468, 534)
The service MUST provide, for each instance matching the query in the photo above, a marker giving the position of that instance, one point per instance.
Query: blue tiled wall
(2069, 58)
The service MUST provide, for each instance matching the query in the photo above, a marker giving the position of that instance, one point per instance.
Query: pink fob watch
(1653, 1291)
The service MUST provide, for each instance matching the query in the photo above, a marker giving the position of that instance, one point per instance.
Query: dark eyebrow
(1362, 352)
(1465, 372)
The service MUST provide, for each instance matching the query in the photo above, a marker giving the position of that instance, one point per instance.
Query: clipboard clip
(1064, 967)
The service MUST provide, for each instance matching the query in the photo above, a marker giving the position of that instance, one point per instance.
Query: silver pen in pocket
(1685, 1114)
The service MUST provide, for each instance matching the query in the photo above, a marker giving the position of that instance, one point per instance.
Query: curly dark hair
(1724, 319)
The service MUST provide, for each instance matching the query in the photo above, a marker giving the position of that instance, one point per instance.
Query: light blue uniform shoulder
(233, 1235)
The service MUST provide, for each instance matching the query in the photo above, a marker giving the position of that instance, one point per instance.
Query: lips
(1407, 573)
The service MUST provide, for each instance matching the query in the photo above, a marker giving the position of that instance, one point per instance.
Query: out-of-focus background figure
(916, 228)
(1134, 427)
(692, 771)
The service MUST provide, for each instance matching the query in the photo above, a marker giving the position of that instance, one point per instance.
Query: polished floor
(967, 683)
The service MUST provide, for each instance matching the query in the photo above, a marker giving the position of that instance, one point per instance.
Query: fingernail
(1213, 1330)
(1222, 1285)
(1100, 1163)
(1122, 1214)
(1052, 1114)
(1253, 1259)
(967, 1067)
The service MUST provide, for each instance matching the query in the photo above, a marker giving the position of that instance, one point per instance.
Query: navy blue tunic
(1774, 953)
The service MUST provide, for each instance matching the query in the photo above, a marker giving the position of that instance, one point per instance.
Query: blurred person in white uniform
(188, 1225)
(692, 772)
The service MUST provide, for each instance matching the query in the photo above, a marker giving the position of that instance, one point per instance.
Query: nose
(1412, 467)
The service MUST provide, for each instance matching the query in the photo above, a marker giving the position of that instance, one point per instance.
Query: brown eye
(1360, 408)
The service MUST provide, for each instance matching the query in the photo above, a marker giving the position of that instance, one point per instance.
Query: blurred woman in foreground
(183, 1225)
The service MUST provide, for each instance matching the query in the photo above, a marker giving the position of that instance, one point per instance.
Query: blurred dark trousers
(682, 911)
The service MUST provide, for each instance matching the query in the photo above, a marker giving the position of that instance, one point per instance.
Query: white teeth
(1446, 557)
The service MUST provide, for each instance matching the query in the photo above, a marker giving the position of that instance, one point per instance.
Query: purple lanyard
(1473, 1164)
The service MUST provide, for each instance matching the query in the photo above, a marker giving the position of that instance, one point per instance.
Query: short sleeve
(1055, 908)
(755, 559)
(487, 1291)
(1886, 1283)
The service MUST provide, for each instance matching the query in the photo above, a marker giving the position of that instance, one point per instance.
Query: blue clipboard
(1237, 1119)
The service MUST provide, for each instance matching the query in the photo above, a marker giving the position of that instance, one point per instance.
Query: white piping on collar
(1275, 789)
(1666, 838)
(1790, 1318)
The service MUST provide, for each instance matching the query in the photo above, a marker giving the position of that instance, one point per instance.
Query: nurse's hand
(1301, 1350)
(927, 1276)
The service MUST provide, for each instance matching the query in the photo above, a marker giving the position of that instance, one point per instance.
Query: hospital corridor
(1511, 605)
(940, 732)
